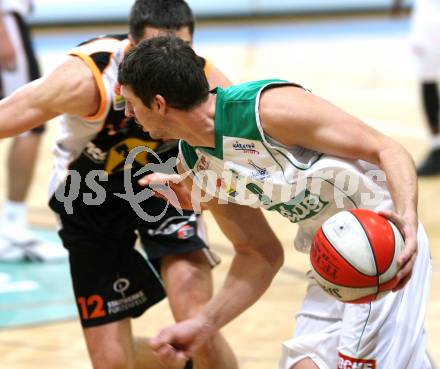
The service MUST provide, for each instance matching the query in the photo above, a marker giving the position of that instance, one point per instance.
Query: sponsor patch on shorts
(347, 362)
(186, 231)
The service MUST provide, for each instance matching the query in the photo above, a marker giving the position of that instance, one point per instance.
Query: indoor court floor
(362, 64)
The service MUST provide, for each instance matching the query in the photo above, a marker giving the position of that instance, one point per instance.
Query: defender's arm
(70, 89)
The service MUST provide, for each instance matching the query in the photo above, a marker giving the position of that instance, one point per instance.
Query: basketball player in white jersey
(18, 66)
(270, 144)
(112, 281)
(425, 38)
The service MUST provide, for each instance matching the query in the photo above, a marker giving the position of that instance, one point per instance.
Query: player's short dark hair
(165, 66)
(167, 14)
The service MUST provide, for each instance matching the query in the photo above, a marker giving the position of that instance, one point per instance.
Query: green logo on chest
(303, 206)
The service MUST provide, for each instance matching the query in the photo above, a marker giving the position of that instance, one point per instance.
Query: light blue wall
(210, 7)
(107, 10)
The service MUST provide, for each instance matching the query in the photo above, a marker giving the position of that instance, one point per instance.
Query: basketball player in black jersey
(111, 280)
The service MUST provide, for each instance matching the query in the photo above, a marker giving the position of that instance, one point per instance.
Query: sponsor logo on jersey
(220, 183)
(232, 192)
(346, 362)
(245, 148)
(257, 190)
(259, 173)
(203, 163)
(118, 102)
(117, 155)
(118, 99)
(94, 153)
(301, 207)
(236, 175)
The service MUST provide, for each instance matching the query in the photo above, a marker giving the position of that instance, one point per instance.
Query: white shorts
(27, 68)
(427, 63)
(385, 334)
(425, 38)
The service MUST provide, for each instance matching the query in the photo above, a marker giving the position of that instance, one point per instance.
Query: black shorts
(111, 279)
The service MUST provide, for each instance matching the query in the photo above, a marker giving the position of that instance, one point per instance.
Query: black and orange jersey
(99, 227)
(103, 141)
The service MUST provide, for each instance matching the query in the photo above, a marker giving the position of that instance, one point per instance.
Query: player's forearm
(249, 276)
(20, 112)
(401, 178)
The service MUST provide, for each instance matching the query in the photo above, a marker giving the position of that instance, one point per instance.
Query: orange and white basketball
(354, 256)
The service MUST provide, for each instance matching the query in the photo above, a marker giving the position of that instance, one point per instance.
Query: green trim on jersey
(188, 153)
(236, 115)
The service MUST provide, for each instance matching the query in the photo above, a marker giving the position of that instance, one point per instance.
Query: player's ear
(132, 41)
(160, 104)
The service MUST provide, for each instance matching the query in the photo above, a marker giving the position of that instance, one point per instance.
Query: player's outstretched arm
(258, 257)
(70, 89)
(295, 117)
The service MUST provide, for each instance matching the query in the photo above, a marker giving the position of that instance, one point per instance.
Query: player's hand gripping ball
(354, 256)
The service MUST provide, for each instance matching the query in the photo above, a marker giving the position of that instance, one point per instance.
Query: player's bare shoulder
(76, 70)
(281, 96)
(73, 88)
(281, 107)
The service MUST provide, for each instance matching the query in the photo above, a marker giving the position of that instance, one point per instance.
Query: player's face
(182, 33)
(149, 119)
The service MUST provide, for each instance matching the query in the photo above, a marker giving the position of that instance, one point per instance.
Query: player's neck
(199, 124)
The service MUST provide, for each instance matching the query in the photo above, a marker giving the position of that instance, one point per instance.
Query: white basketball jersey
(22, 7)
(248, 168)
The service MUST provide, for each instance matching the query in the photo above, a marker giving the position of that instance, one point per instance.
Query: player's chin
(160, 135)
(156, 135)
